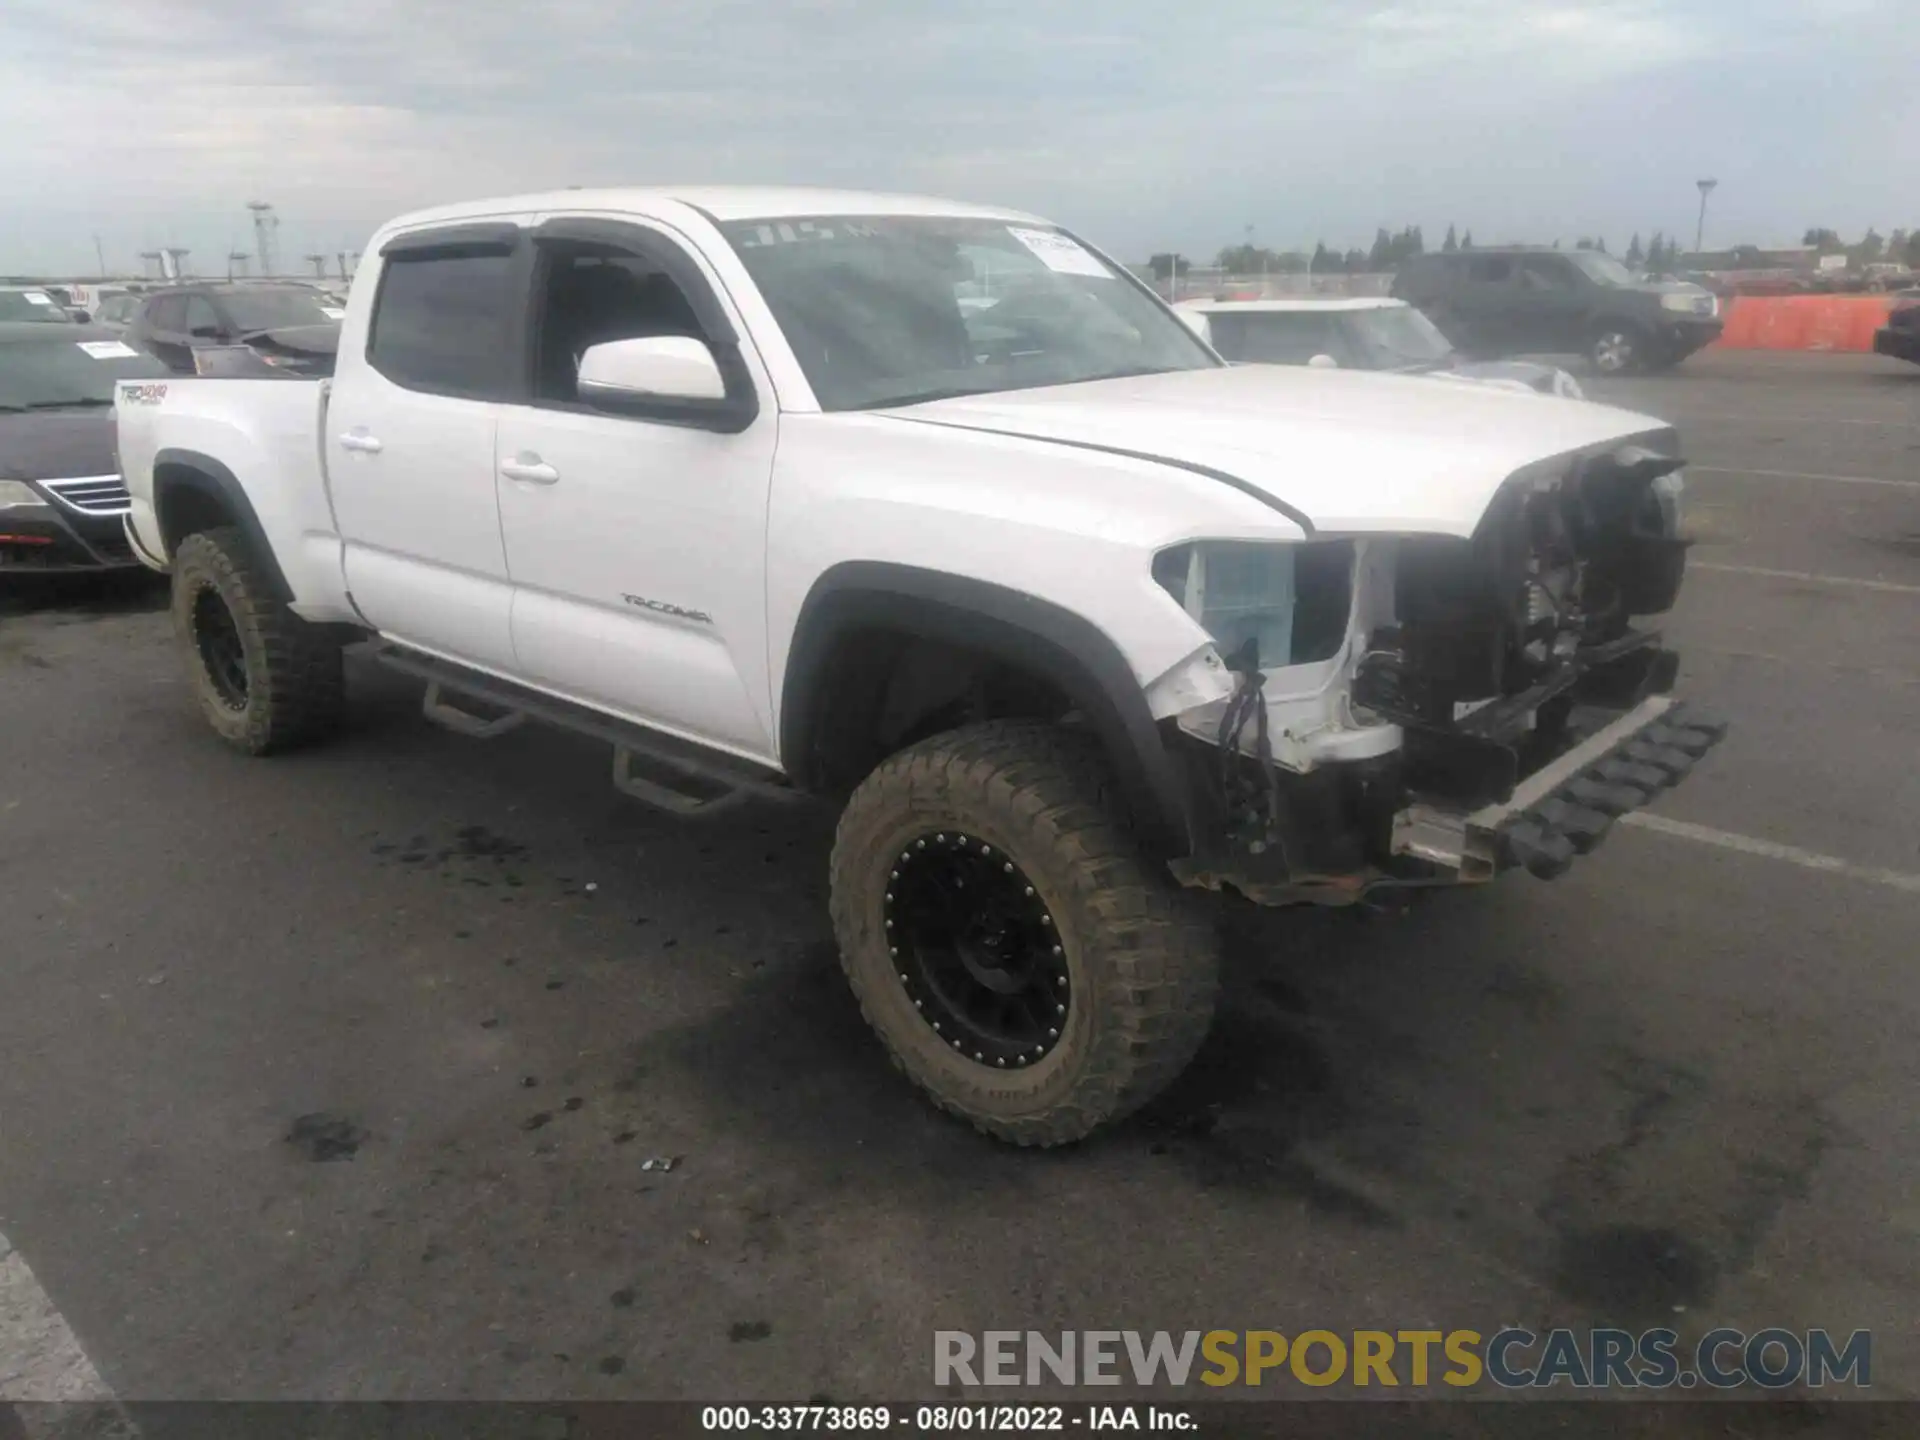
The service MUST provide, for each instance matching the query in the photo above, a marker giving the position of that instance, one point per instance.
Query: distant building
(1753, 257)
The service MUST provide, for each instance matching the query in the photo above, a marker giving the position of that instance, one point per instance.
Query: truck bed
(266, 432)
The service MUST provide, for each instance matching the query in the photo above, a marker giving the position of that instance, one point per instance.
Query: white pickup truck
(1067, 613)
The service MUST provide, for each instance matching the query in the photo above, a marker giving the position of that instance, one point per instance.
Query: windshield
(32, 305)
(1602, 269)
(895, 309)
(42, 374)
(1396, 337)
(274, 309)
(1272, 337)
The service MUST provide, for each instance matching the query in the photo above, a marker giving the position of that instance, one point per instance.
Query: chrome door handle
(361, 441)
(530, 468)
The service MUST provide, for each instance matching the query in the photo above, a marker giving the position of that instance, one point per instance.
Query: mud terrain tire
(265, 679)
(1026, 813)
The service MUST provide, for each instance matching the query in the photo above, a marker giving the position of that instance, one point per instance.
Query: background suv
(1369, 332)
(1900, 336)
(1536, 301)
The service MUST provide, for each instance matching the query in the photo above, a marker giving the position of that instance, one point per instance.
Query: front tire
(265, 679)
(1024, 964)
(1616, 349)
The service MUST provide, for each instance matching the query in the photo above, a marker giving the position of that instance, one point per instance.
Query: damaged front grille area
(1500, 707)
(1497, 637)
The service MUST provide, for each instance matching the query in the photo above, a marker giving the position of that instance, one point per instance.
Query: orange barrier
(1803, 322)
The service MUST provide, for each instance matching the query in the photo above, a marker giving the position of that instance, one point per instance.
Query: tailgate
(137, 407)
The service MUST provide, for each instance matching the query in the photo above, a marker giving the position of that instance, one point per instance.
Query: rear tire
(265, 679)
(1020, 817)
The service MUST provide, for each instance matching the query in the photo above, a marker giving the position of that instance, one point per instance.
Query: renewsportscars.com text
(1510, 1358)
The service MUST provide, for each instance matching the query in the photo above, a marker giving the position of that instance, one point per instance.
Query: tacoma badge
(663, 608)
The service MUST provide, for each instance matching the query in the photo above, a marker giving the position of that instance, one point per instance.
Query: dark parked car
(31, 305)
(239, 329)
(1360, 333)
(61, 497)
(119, 310)
(1525, 300)
(1900, 336)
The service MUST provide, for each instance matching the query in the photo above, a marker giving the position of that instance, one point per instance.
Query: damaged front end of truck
(1449, 708)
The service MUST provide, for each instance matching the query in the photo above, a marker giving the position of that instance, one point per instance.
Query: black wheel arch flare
(1035, 635)
(176, 471)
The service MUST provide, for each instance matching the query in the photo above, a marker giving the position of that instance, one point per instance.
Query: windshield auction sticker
(107, 349)
(1059, 252)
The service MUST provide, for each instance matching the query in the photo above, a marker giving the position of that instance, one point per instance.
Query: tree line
(1391, 249)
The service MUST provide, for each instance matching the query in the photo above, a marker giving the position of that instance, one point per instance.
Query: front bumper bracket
(1565, 808)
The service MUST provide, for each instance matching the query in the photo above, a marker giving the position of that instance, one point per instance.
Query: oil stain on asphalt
(322, 1136)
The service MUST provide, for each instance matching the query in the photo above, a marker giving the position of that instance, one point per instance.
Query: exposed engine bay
(1495, 638)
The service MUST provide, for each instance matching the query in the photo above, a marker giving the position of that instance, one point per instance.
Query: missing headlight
(1292, 601)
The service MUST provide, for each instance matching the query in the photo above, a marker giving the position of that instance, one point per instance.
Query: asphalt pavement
(338, 1076)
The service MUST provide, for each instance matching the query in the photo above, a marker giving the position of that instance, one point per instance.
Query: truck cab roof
(716, 202)
(1293, 304)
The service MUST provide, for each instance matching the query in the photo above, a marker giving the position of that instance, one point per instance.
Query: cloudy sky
(1144, 124)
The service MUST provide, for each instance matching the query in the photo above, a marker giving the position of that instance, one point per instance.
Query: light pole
(1700, 231)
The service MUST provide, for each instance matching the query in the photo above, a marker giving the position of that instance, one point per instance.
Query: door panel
(638, 569)
(1551, 315)
(420, 516)
(1486, 304)
(409, 447)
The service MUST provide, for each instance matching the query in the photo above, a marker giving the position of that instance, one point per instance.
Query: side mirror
(650, 368)
(1323, 362)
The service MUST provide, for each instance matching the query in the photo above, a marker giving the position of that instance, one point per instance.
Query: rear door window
(1490, 270)
(203, 321)
(168, 314)
(444, 322)
(1546, 273)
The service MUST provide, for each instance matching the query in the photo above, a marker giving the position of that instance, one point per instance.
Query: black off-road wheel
(1022, 961)
(265, 679)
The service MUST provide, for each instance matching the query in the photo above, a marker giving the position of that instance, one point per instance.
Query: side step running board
(682, 799)
(464, 722)
(660, 770)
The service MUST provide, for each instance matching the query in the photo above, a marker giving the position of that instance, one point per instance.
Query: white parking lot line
(1803, 475)
(1869, 672)
(1772, 850)
(1889, 587)
(1890, 422)
(39, 1358)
